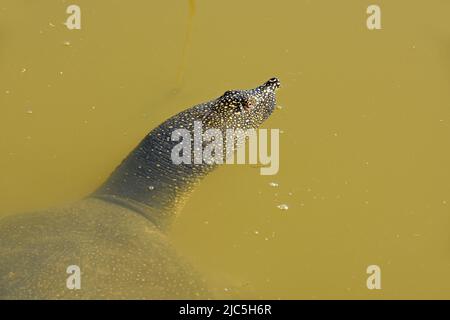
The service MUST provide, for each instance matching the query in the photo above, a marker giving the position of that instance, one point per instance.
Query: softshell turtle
(116, 235)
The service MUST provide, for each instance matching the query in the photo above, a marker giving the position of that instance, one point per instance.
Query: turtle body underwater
(117, 234)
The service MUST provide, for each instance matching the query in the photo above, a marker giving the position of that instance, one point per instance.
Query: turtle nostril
(273, 83)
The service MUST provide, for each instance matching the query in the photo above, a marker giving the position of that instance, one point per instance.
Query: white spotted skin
(116, 235)
(150, 163)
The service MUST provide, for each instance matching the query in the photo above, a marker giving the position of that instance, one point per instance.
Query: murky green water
(364, 150)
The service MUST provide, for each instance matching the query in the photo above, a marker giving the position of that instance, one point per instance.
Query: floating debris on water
(273, 184)
(29, 111)
(279, 107)
(283, 207)
(51, 24)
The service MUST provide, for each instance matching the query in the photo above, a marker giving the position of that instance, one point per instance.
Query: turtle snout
(272, 84)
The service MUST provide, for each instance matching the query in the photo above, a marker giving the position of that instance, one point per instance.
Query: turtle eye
(250, 103)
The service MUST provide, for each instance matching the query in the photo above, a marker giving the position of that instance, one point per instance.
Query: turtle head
(243, 109)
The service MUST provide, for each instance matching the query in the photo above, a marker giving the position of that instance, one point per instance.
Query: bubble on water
(151, 188)
(273, 184)
(7, 92)
(256, 232)
(283, 206)
(51, 24)
(67, 43)
(279, 107)
(444, 201)
(29, 111)
(23, 70)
